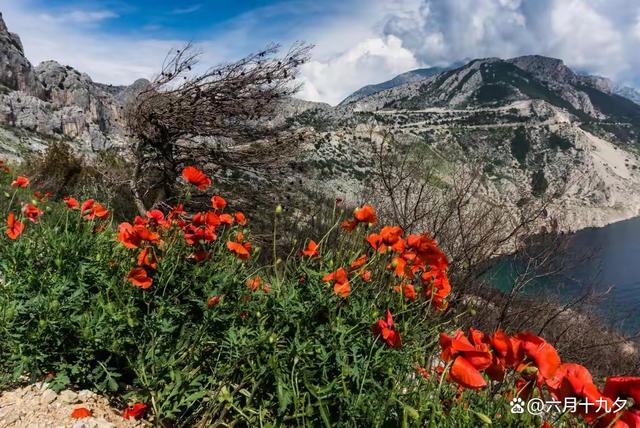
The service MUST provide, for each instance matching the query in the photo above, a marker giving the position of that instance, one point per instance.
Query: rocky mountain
(533, 124)
(401, 79)
(52, 101)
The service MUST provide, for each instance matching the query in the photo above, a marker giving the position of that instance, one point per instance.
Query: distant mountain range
(544, 68)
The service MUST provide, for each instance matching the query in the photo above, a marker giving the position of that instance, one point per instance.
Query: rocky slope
(52, 101)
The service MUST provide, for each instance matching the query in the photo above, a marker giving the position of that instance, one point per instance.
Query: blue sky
(357, 41)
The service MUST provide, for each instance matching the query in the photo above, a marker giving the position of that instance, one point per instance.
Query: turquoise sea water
(614, 265)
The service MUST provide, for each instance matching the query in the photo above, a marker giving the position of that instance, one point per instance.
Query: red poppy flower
(137, 411)
(14, 227)
(97, 211)
(311, 250)
(218, 203)
(359, 262)
(254, 283)
(134, 236)
(240, 218)
(365, 275)
(407, 290)
(574, 380)
(147, 258)
(385, 330)
(213, 301)
(91, 209)
(72, 203)
(32, 212)
(139, 277)
(390, 234)
(20, 181)
(342, 289)
(436, 288)
(376, 243)
(365, 214)
(398, 265)
(349, 225)
(176, 213)
(535, 349)
(466, 375)
(623, 387)
(226, 219)
(238, 249)
(81, 413)
(156, 218)
(340, 279)
(428, 251)
(196, 177)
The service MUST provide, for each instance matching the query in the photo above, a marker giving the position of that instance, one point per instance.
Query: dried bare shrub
(216, 118)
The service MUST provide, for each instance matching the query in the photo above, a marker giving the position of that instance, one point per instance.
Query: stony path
(36, 406)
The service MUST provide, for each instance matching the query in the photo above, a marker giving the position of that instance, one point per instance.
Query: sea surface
(609, 260)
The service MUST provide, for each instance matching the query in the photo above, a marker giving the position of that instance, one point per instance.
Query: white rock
(48, 397)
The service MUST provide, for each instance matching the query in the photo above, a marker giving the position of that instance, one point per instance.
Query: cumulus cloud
(372, 60)
(591, 35)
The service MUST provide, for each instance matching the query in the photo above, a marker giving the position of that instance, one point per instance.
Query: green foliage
(520, 146)
(295, 355)
(539, 183)
(559, 142)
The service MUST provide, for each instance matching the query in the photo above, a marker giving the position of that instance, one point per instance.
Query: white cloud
(372, 61)
(591, 35)
(106, 58)
(186, 10)
(80, 16)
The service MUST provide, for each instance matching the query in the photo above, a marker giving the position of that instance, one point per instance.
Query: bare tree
(215, 117)
(472, 226)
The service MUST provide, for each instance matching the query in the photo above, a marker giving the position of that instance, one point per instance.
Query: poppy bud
(213, 300)
(530, 370)
(279, 209)
(6, 195)
(34, 202)
(42, 323)
(484, 418)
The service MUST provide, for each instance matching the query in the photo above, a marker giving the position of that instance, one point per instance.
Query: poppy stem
(274, 249)
(11, 201)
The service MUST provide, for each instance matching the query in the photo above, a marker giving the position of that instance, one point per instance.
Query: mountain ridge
(543, 67)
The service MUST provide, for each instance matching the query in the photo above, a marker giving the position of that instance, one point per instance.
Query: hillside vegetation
(171, 314)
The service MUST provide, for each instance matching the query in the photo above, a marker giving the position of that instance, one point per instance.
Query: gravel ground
(36, 406)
